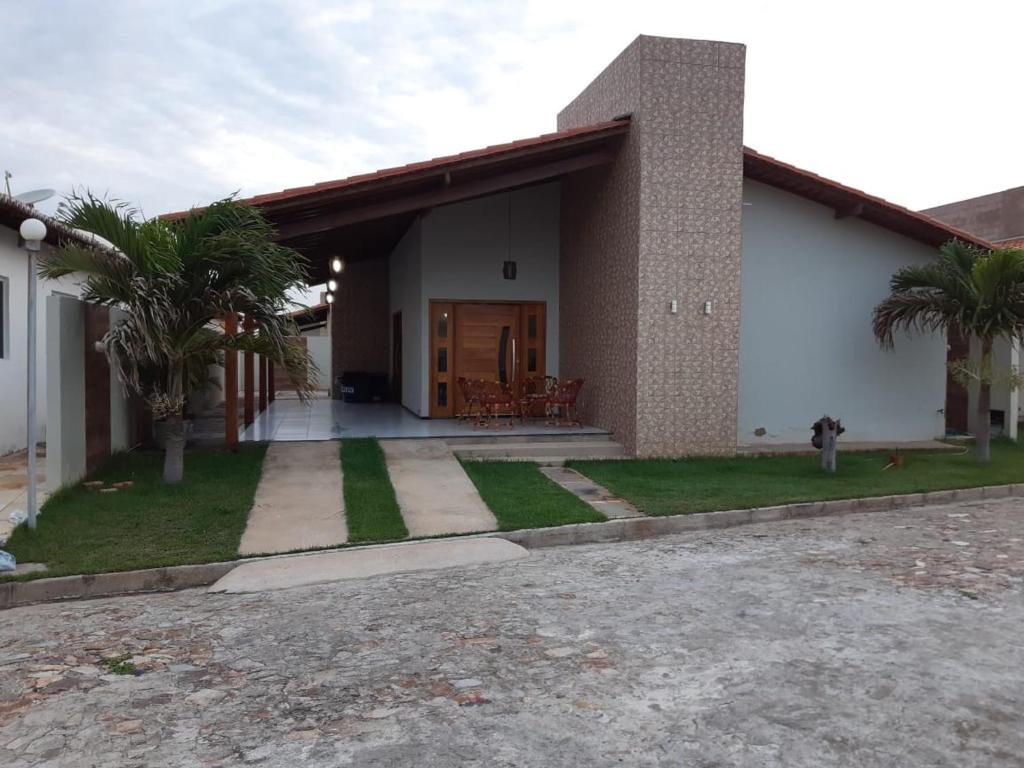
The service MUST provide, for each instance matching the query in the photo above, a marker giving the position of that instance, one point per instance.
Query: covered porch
(441, 272)
(288, 419)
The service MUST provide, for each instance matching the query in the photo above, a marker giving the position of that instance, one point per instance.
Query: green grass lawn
(370, 506)
(152, 524)
(667, 487)
(521, 497)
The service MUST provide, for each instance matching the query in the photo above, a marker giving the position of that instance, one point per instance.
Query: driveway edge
(631, 529)
(171, 578)
(19, 593)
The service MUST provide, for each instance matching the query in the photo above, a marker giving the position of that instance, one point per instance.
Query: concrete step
(496, 437)
(540, 451)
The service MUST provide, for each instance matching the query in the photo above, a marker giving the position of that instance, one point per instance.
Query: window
(442, 360)
(442, 326)
(442, 394)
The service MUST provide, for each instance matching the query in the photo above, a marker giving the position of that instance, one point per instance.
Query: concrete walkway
(326, 567)
(299, 502)
(434, 493)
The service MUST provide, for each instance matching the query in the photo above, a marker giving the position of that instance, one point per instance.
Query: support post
(249, 413)
(263, 383)
(270, 381)
(231, 386)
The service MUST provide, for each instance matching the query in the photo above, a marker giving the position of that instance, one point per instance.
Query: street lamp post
(32, 231)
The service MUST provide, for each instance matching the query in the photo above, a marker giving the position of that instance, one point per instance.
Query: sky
(172, 104)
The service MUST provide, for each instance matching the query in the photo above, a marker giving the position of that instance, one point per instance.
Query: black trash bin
(363, 387)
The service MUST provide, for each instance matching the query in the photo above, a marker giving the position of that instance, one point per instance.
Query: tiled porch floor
(324, 419)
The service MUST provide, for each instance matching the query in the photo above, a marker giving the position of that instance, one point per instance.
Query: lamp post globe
(33, 232)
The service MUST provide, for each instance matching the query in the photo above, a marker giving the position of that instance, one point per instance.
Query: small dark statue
(826, 431)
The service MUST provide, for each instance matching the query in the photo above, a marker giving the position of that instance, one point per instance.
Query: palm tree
(174, 281)
(970, 290)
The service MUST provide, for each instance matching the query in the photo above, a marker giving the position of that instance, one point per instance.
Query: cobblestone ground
(889, 639)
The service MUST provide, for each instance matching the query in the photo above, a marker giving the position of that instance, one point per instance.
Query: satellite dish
(35, 196)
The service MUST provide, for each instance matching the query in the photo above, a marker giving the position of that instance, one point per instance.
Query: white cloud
(170, 104)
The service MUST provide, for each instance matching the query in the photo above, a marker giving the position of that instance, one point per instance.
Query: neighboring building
(314, 320)
(710, 296)
(998, 217)
(14, 323)
(315, 327)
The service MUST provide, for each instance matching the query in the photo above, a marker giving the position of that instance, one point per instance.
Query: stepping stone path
(299, 502)
(433, 491)
(597, 496)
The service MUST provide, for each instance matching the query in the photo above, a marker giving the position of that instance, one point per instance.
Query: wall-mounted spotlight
(337, 264)
(332, 285)
(329, 298)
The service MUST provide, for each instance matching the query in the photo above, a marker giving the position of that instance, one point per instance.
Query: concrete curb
(631, 529)
(15, 593)
(19, 593)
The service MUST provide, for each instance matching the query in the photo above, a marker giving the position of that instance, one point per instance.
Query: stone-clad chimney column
(662, 225)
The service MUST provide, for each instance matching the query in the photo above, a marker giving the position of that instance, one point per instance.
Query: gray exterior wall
(65, 392)
(810, 283)
(662, 224)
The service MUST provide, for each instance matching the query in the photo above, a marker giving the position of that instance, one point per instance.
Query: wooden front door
(497, 341)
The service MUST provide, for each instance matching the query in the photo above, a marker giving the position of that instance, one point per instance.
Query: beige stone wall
(662, 224)
(598, 274)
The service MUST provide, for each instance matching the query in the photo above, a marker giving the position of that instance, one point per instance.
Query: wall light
(332, 285)
(337, 264)
(329, 298)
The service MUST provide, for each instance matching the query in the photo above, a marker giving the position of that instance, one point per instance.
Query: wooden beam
(231, 386)
(263, 383)
(248, 375)
(854, 209)
(443, 196)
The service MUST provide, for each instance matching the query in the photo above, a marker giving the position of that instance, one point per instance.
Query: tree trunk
(174, 450)
(984, 421)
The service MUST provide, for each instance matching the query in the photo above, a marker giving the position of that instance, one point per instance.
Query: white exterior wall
(809, 285)
(320, 350)
(405, 273)
(13, 364)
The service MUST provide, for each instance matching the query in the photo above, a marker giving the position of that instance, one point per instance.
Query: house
(14, 322)
(998, 217)
(82, 412)
(710, 296)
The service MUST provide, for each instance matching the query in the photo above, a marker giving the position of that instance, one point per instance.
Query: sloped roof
(848, 201)
(13, 212)
(292, 210)
(450, 163)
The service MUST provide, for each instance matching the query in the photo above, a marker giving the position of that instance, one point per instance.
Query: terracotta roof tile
(880, 211)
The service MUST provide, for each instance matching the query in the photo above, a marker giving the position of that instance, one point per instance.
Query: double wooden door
(496, 341)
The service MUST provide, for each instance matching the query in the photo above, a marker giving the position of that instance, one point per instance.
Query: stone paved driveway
(890, 639)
